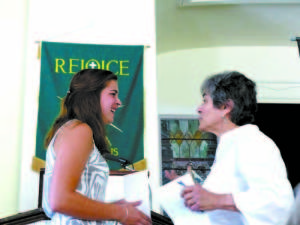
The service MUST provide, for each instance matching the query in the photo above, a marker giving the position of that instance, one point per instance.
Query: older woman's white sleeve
(269, 196)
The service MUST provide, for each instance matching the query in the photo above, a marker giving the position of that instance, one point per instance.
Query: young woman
(76, 173)
(248, 182)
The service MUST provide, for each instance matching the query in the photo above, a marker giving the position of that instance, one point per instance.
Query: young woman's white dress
(92, 184)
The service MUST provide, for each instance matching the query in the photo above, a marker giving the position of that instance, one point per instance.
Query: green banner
(60, 61)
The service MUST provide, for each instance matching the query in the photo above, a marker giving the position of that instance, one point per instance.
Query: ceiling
(179, 28)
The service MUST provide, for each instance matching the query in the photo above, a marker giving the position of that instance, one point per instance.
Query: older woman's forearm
(225, 201)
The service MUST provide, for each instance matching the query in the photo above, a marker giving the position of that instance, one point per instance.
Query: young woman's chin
(110, 120)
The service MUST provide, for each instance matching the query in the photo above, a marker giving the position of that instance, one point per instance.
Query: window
(182, 144)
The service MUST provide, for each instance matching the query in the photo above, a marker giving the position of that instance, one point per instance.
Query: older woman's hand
(197, 198)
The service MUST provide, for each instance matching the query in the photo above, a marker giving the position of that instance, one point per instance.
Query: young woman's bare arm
(73, 147)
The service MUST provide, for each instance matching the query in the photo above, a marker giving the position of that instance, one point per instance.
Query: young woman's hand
(133, 216)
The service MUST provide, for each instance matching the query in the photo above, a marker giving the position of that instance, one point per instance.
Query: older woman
(248, 181)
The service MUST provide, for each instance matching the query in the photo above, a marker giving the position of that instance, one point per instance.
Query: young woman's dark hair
(237, 87)
(82, 102)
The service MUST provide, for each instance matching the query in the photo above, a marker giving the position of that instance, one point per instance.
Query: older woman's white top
(248, 165)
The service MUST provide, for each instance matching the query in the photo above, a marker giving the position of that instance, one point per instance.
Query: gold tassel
(39, 50)
(138, 166)
(37, 164)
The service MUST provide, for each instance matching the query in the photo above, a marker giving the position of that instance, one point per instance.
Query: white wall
(194, 42)
(276, 71)
(118, 22)
(12, 45)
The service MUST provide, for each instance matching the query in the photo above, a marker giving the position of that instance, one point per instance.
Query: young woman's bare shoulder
(75, 134)
(79, 130)
(76, 126)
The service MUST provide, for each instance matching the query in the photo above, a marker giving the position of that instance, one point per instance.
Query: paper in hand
(131, 187)
(171, 201)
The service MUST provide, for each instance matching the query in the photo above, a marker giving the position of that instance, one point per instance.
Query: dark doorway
(281, 122)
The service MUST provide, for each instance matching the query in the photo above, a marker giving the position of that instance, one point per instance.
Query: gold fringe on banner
(140, 165)
(39, 50)
(37, 164)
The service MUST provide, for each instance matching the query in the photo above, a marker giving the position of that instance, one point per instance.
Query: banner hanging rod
(147, 46)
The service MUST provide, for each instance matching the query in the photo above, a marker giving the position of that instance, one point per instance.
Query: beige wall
(194, 42)
(180, 73)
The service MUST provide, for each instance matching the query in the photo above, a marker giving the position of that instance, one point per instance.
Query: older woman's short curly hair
(235, 86)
